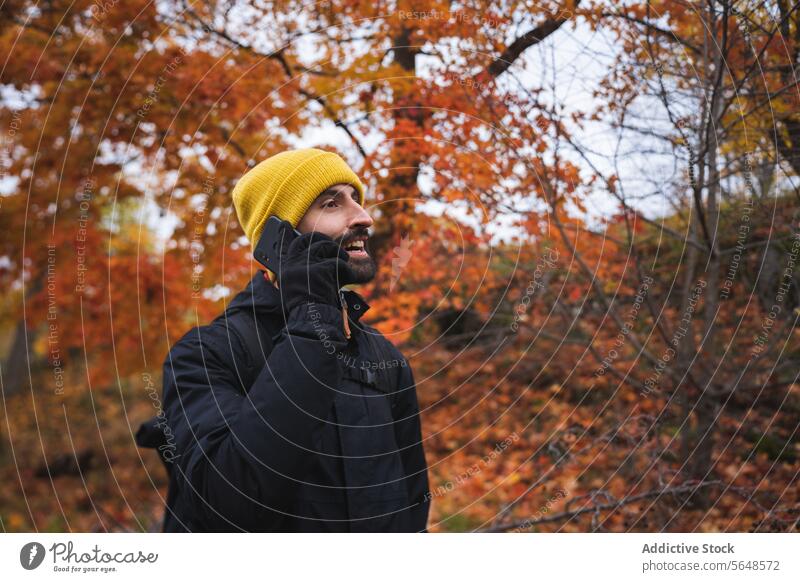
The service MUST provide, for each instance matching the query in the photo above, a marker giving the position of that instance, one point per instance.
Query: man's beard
(364, 268)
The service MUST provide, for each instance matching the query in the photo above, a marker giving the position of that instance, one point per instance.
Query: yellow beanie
(285, 185)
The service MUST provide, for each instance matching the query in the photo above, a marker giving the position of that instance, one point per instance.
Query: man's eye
(329, 204)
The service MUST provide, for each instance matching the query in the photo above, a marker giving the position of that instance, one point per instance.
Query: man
(285, 413)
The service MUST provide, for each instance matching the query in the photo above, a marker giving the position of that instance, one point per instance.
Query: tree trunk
(18, 363)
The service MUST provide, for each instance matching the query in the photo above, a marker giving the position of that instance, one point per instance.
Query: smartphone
(275, 240)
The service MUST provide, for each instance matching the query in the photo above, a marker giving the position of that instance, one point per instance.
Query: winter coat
(267, 427)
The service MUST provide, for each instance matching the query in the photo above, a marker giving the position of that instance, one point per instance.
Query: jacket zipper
(344, 314)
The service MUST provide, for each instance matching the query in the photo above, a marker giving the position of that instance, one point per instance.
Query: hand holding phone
(274, 242)
(311, 266)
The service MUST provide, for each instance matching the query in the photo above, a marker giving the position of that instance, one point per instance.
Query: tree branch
(527, 40)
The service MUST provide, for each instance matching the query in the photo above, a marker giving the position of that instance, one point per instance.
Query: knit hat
(285, 185)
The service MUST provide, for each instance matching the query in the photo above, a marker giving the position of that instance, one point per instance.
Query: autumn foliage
(603, 333)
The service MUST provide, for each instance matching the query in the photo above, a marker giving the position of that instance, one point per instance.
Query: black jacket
(310, 439)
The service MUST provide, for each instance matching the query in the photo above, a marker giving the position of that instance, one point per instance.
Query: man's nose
(360, 218)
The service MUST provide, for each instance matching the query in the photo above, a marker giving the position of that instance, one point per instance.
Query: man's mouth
(357, 248)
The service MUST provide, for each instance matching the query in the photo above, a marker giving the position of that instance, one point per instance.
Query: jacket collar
(262, 296)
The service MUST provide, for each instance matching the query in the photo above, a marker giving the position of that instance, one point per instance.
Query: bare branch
(527, 40)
